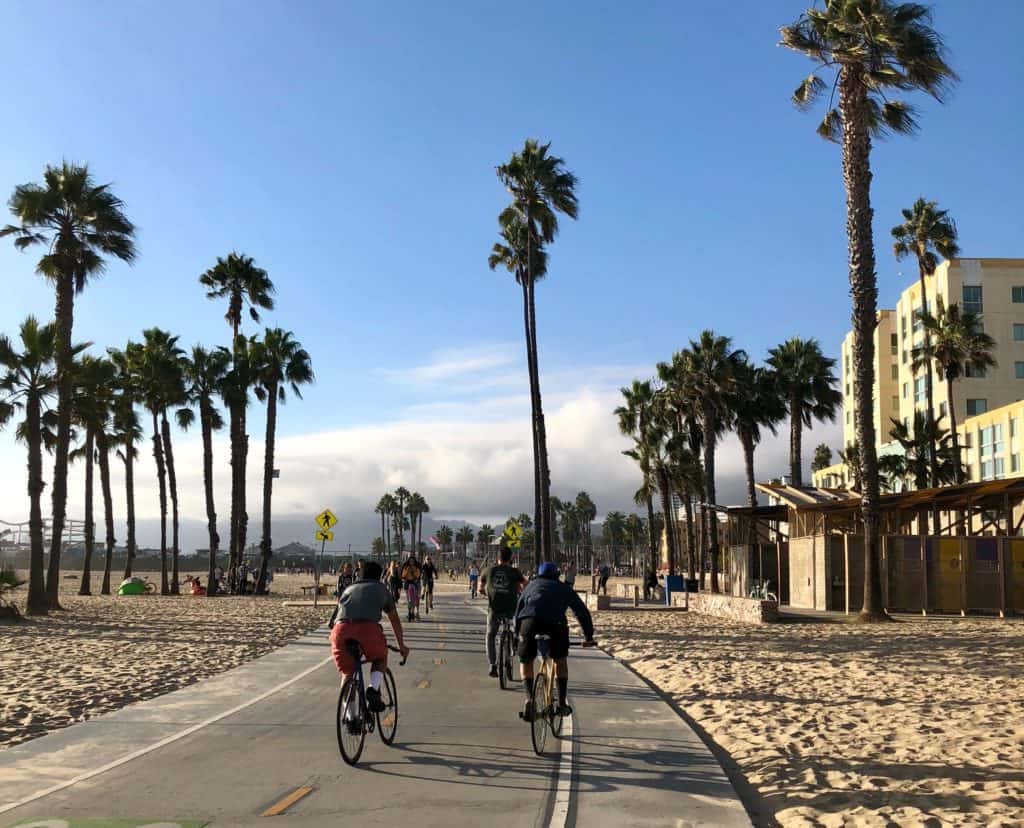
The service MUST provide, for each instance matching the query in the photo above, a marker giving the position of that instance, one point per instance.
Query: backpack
(502, 592)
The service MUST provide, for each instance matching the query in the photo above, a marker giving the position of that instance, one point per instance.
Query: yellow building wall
(886, 403)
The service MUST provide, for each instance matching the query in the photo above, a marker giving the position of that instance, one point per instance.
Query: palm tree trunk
(268, 487)
(129, 491)
(103, 447)
(712, 518)
(158, 456)
(747, 441)
(933, 463)
(85, 584)
(233, 533)
(690, 542)
(64, 314)
(796, 435)
(383, 529)
(172, 481)
(243, 513)
(542, 440)
(856, 138)
(958, 471)
(665, 491)
(702, 544)
(38, 603)
(206, 426)
(388, 525)
(652, 543)
(538, 513)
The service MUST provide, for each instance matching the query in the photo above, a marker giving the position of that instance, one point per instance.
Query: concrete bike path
(260, 739)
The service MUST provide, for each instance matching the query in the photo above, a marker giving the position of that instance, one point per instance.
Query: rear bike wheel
(351, 734)
(502, 646)
(507, 666)
(387, 719)
(555, 718)
(538, 727)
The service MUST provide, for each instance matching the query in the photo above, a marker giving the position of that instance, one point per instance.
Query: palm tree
(90, 410)
(79, 224)
(402, 496)
(445, 537)
(540, 187)
(280, 361)
(127, 432)
(414, 508)
(917, 444)
(28, 382)
(634, 528)
(956, 342)
(205, 373)
(484, 536)
(704, 376)
(806, 383)
(105, 437)
(822, 457)
(586, 511)
(238, 279)
(850, 456)
(634, 417)
(424, 510)
(465, 537)
(613, 533)
(925, 232)
(874, 47)
(383, 508)
(756, 403)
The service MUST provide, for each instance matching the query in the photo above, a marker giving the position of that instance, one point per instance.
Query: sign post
(325, 521)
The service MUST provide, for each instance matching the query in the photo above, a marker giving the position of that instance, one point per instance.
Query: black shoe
(494, 672)
(373, 701)
(528, 714)
(563, 710)
(354, 726)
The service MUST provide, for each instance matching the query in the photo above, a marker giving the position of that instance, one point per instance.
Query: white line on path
(60, 786)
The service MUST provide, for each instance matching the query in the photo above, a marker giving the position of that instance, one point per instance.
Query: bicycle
(761, 589)
(545, 711)
(506, 646)
(427, 598)
(355, 719)
(412, 598)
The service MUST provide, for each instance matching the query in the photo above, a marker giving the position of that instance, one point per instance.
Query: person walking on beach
(474, 575)
(605, 571)
(394, 580)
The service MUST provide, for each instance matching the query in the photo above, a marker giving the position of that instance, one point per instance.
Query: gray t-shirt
(365, 601)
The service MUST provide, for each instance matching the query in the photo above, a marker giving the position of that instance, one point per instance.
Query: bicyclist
(359, 612)
(541, 611)
(411, 573)
(428, 575)
(502, 584)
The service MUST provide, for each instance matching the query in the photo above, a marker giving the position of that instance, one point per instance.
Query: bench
(311, 588)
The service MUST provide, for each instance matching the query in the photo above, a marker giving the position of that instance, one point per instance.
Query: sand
(105, 652)
(914, 723)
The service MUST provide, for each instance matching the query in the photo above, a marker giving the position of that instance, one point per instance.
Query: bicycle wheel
(509, 653)
(350, 743)
(502, 655)
(555, 718)
(387, 719)
(539, 726)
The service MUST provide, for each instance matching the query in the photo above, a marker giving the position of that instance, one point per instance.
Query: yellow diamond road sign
(513, 531)
(324, 535)
(326, 519)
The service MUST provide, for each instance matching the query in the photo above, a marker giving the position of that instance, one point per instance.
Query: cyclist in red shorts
(359, 611)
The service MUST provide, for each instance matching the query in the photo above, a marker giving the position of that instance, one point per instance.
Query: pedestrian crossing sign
(326, 519)
(513, 535)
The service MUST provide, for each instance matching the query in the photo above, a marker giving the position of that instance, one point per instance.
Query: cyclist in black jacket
(541, 611)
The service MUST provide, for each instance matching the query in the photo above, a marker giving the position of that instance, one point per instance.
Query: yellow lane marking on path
(423, 685)
(287, 802)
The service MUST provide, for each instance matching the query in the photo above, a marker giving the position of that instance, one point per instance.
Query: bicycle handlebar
(396, 650)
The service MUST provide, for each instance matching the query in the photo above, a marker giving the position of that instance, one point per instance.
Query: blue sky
(350, 148)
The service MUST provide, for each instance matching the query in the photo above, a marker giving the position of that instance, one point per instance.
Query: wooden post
(636, 596)
(884, 540)
(846, 571)
(778, 566)
(1003, 548)
(924, 571)
(963, 577)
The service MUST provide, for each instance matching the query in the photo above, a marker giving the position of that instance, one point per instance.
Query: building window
(847, 363)
(903, 326)
(968, 440)
(847, 417)
(1013, 426)
(942, 408)
(919, 389)
(896, 402)
(1018, 333)
(976, 406)
(990, 441)
(1018, 369)
(917, 316)
(894, 344)
(972, 299)
(895, 372)
(1017, 293)
(973, 372)
(906, 390)
(1014, 463)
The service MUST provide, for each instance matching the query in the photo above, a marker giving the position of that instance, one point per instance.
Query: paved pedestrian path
(258, 743)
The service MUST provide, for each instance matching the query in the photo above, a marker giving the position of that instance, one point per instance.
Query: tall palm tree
(237, 278)
(756, 403)
(402, 497)
(79, 224)
(586, 511)
(484, 536)
(414, 509)
(956, 342)
(803, 375)
(704, 377)
(90, 410)
(105, 438)
(925, 232)
(205, 373)
(634, 417)
(465, 537)
(613, 533)
(541, 188)
(874, 48)
(445, 535)
(917, 443)
(822, 457)
(383, 508)
(28, 382)
(127, 432)
(280, 362)
(634, 529)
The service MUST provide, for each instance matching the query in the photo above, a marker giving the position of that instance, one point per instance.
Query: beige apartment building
(986, 405)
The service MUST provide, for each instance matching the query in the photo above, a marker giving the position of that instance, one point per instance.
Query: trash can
(673, 583)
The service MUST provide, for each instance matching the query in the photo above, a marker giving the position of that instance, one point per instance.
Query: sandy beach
(914, 723)
(108, 651)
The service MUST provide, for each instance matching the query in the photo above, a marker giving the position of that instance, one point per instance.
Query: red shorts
(370, 636)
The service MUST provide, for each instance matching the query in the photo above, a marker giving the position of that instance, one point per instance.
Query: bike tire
(555, 719)
(511, 657)
(387, 719)
(539, 725)
(350, 744)
(502, 680)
